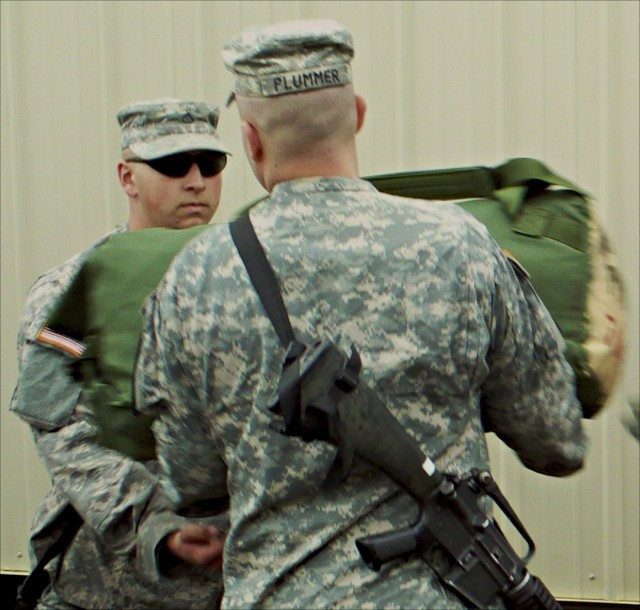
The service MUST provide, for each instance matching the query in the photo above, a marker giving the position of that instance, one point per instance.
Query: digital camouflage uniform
(446, 327)
(116, 496)
(443, 323)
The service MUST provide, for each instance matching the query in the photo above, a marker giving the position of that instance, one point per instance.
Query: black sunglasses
(179, 165)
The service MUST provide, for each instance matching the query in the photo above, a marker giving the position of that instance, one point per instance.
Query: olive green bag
(550, 227)
(101, 311)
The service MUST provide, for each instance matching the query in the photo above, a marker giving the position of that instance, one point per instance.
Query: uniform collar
(320, 184)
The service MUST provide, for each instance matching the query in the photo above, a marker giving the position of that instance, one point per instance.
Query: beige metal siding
(448, 83)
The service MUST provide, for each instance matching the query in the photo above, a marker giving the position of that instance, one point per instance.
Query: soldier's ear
(252, 142)
(127, 178)
(361, 110)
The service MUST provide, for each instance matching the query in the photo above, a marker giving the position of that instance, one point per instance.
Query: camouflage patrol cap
(161, 127)
(289, 57)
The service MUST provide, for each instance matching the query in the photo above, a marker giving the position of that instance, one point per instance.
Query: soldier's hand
(200, 545)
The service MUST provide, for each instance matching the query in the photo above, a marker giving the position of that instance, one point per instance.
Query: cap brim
(177, 143)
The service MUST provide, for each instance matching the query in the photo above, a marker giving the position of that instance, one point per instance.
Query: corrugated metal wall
(447, 83)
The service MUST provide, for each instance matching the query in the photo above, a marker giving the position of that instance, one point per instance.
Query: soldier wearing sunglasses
(172, 178)
(170, 170)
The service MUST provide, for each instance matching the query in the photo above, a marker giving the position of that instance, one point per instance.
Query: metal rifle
(321, 397)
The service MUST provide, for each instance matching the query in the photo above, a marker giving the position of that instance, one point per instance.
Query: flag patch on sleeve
(63, 342)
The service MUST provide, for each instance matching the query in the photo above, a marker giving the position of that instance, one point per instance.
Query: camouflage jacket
(114, 494)
(445, 326)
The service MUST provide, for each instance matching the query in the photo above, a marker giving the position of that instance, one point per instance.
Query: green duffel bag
(101, 313)
(550, 227)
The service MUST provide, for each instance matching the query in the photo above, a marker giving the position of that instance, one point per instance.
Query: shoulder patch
(66, 344)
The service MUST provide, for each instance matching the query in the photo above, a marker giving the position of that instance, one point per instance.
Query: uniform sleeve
(529, 395)
(167, 386)
(159, 522)
(109, 490)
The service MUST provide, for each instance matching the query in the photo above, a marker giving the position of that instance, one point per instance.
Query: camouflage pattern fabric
(166, 126)
(446, 326)
(289, 57)
(115, 495)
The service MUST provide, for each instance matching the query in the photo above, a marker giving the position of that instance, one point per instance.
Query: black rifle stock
(453, 534)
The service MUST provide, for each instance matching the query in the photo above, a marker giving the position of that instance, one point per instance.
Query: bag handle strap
(511, 183)
(520, 178)
(524, 170)
(440, 184)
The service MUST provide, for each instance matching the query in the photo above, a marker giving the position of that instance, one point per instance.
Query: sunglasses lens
(174, 166)
(178, 166)
(211, 164)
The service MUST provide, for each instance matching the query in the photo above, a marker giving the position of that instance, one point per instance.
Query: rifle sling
(262, 277)
(31, 589)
